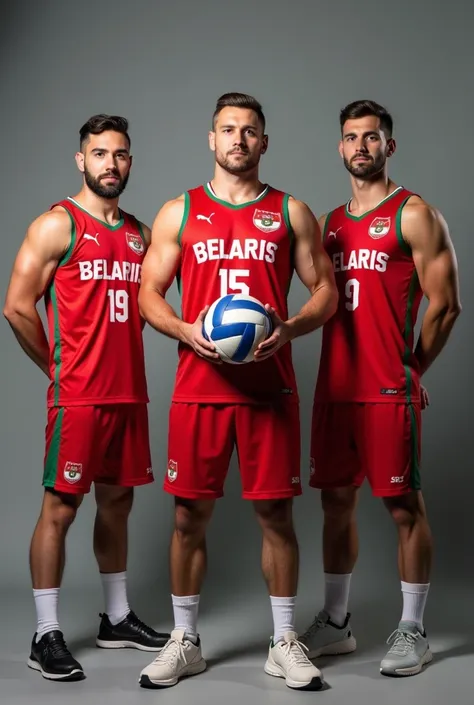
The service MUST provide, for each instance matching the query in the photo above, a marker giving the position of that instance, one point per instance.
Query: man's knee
(114, 502)
(59, 509)
(407, 509)
(192, 517)
(275, 515)
(339, 504)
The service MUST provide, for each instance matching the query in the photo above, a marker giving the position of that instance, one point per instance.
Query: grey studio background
(163, 65)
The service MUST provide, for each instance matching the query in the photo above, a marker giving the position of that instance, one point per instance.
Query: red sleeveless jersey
(95, 328)
(367, 349)
(228, 249)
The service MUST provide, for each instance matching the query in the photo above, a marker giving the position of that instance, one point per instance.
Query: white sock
(414, 601)
(185, 611)
(336, 596)
(114, 586)
(283, 609)
(46, 603)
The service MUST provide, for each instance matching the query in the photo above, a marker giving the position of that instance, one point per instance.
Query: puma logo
(86, 236)
(205, 217)
(333, 233)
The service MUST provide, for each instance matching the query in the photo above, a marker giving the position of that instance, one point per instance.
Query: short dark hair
(239, 100)
(98, 124)
(364, 108)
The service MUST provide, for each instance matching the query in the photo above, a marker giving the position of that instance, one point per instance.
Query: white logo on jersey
(103, 269)
(205, 217)
(215, 249)
(333, 233)
(360, 259)
(86, 236)
(396, 480)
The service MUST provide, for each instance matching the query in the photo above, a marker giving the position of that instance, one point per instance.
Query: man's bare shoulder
(51, 230)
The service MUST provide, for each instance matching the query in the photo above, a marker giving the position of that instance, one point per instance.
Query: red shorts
(86, 444)
(379, 441)
(202, 438)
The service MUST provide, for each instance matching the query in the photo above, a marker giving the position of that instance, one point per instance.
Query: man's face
(238, 140)
(106, 163)
(364, 147)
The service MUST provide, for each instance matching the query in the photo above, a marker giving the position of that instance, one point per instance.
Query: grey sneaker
(408, 653)
(324, 638)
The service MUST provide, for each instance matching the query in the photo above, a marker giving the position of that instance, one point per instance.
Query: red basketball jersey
(228, 249)
(367, 349)
(95, 328)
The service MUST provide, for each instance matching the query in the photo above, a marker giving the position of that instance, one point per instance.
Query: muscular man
(84, 256)
(234, 234)
(388, 248)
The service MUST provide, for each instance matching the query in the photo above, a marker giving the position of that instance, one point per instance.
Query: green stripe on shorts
(415, 478)
(51, 464)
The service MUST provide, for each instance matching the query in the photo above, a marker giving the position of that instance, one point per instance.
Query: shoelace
(58, 648)
(315, 626)
(139, 625)
(171, 652)
(294, 651)
(402, 642)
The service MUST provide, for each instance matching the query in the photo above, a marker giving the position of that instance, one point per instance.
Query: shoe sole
(75, 675)
(272, 669)
(103, 644)
(191, 670)
(412, 670)
(338, 648)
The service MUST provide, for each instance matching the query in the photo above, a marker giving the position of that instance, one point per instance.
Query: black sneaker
(130, 633)
(51, 657)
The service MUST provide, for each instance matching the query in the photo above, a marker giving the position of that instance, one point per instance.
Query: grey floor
(234, 643)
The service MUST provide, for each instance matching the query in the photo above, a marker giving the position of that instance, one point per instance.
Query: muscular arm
(426, 231)
(314, 268)
(159, 269)
(46, 241)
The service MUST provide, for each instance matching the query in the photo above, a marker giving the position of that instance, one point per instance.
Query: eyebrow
(364, 134)
(117, 151)
(244, 127)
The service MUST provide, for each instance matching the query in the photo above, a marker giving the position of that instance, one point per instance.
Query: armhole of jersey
(185, 217)
(68, 254)
(326, 225)
(398, 227)
(140, 230)
(286, 217)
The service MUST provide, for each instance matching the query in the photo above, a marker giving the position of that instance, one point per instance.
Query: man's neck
(366, 195)
(102, 208)
(236, 188)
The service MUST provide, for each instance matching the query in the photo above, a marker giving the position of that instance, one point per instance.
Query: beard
(245, 163)
(366, 171)
(109, 191)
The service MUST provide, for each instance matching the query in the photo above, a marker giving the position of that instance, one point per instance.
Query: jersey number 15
(230, 281)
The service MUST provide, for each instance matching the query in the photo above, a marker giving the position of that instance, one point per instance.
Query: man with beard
(234, 235)
(388, 248)
(84, 256)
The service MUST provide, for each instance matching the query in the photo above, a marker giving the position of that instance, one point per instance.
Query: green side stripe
(57, 343)
(415, 476)
(398, 229)
(291, 235)
(408, 331)
(185, 217)
(51, 464)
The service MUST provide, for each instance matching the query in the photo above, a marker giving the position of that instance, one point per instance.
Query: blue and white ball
(237, 324)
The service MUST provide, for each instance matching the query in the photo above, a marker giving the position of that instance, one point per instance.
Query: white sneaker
(287, 659)
(178, 658)
(324, 638)
(409, 651)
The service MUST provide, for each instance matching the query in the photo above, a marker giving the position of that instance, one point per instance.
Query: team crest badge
(172, 470)
(135, 243)
(312, 467)
(72, 472)
(379, 227)
(266, 221)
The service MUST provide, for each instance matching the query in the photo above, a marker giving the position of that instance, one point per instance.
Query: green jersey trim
(142, 234)
(326, 225)
(68, 254)
(102, 222)
(57, 343)
(184, 220)
(364, 215)
(234, 206)
(398, 228)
